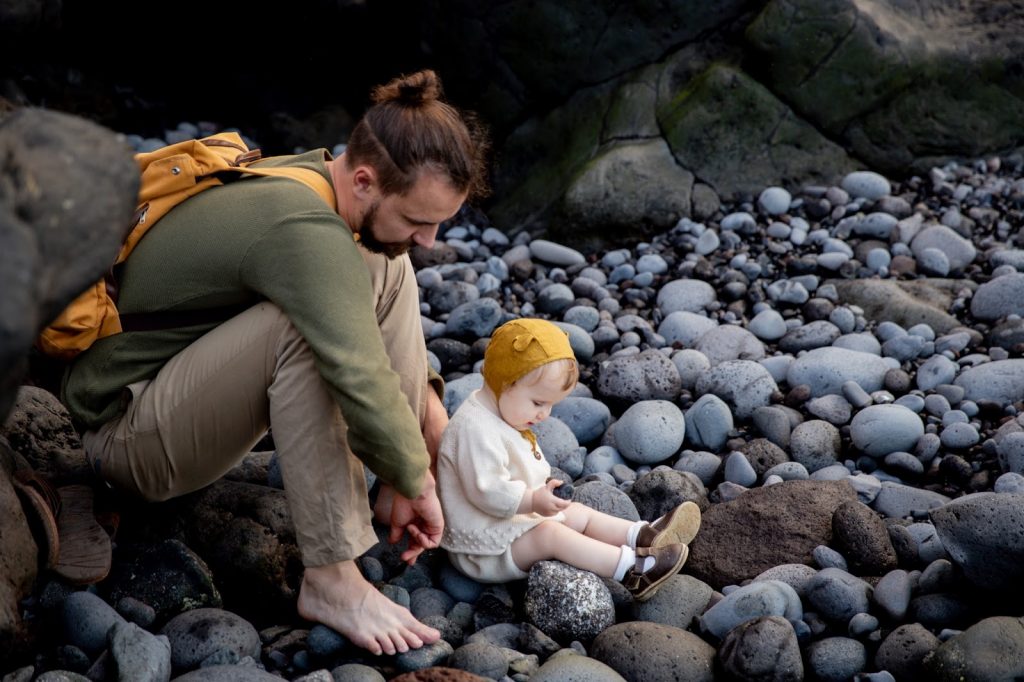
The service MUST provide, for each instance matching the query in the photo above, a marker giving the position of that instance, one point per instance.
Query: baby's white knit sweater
(484, 467)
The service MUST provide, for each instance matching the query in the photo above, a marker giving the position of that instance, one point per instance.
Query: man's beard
(368, 237)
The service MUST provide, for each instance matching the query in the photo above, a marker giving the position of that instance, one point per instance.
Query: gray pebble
(703, 464)
(892, 594)
(789, 471)
(765, 598)
(356, 672)
(836, 659)
(1009, 483)
(650, 431)
(866, 184)
(836, 595)
(685, 295)
(425, 657)
(196, 634)
(556, 254)
(87, 620)
(708, 423)
(742, 384)
(878, 430)
(959, 436)
(826, 557)
(762, 648)
(738, 470)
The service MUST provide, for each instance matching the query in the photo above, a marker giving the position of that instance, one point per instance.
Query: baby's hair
(567, 366)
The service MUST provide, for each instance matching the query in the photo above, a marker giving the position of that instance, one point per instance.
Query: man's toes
(424, 633)
(370, 645)
(388, 646)
(400, 644)
(409, 638)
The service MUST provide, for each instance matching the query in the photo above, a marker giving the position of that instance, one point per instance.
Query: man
(329, 350)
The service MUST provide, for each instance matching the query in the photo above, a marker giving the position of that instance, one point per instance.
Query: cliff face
(608, 117)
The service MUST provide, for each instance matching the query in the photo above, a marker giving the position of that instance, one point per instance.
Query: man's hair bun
(415, 89)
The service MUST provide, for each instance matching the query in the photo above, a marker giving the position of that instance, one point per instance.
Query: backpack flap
(89, 317)
(176, 172)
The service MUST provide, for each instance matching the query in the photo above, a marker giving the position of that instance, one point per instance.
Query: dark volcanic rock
(67, 183)
(765, 527)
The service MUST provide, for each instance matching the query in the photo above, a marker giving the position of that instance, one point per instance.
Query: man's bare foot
(338, 596)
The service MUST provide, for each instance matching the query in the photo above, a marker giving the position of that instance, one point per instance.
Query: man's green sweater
(253, 239)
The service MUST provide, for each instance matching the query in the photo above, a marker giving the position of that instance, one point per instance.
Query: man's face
(394, 223)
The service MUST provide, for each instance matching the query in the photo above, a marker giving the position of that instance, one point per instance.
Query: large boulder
(899, 85)
(922, 301)
(984, 535)
(765, 527)
(67, 195)
(515, 57)
(243, 534)
(738, 137)
(39, 429)
(22, 20)
(18, 561)
(990, 650)
(651, 652)
(627, 184)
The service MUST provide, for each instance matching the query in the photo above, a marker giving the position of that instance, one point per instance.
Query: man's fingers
(415, 534)
(411, 552)
(423, 539)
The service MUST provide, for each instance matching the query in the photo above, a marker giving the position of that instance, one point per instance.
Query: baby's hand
(545, 502)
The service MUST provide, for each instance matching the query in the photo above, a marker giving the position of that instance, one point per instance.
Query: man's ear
(364, 182)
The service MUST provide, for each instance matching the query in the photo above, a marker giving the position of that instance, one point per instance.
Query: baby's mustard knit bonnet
(520, 346)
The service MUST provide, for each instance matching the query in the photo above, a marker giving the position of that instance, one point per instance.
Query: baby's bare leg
(555, 540)
(598, 525)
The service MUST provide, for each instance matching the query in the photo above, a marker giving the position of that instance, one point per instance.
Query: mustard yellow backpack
(170, 175)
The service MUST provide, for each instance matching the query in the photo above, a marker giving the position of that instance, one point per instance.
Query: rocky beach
(833, 373)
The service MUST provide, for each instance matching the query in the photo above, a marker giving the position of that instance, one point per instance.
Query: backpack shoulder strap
(306, 176)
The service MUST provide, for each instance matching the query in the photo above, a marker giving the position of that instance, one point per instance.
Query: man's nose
(425, 237)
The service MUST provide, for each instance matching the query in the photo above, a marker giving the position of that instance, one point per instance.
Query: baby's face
(529, 400)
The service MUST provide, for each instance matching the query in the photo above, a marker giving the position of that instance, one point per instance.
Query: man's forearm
(435, 420)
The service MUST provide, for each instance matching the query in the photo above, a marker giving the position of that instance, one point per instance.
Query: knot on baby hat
(521, 346)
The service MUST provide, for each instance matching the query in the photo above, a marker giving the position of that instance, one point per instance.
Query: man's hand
(421, 517)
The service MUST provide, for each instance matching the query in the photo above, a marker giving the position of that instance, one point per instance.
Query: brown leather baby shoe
(679, 525)
(667, 562)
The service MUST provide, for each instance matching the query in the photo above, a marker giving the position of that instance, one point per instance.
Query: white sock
(627, 560)
(633, 532)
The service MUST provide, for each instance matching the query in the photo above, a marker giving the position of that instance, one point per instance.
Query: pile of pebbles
(834, 375)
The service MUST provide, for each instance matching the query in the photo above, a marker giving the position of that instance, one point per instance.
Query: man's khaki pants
(212, 402)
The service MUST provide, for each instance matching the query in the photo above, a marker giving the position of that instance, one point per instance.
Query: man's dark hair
(410, 127)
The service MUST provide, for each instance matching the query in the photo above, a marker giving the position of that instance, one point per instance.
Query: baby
(501, 513)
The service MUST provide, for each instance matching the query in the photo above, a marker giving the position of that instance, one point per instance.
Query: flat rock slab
(905, 303)
(765, 527)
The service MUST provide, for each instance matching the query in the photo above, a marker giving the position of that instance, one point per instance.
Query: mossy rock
(737, 137)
